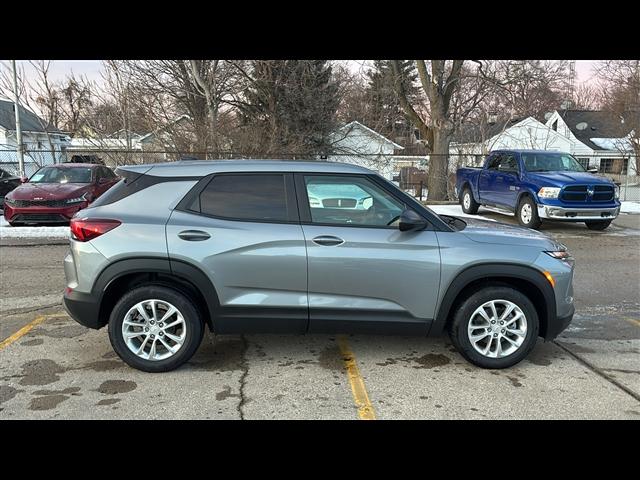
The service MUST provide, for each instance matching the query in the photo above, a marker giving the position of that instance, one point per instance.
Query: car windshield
(551, 162)
(61, 175)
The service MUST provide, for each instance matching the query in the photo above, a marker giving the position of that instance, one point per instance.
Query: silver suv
(238, 247)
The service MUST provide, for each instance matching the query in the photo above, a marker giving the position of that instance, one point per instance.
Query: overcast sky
(59, 69)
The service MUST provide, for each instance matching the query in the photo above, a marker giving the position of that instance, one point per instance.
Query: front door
(364, 274)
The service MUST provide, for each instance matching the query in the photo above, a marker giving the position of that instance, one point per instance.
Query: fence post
(626, 185)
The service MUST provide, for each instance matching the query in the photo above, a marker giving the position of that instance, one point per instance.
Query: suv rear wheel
(155, 328)
(495, 327)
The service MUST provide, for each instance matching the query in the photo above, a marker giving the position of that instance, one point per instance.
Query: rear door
(364, 273)
(507, 180)
(242, 230)
(487, 180)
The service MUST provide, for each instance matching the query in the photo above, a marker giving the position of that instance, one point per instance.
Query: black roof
(599, 124)
(29, 121)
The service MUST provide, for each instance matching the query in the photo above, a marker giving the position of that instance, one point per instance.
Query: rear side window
(245, 197)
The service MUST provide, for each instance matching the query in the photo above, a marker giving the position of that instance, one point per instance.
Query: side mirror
(410, 220)
(24, 179)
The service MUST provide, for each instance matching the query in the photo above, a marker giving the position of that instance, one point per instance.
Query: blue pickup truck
(538, 185)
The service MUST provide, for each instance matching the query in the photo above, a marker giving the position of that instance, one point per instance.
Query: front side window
(551, 162)
(246, 197)
(61, 175)
(350, 200)
(508, 163)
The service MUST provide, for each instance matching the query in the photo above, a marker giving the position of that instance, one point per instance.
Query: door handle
(194, 235)
(328, 241)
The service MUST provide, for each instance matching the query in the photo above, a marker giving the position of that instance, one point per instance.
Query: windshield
(551, 162)
(61, 175)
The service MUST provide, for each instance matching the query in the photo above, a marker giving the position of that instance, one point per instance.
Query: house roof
(29, 121)
(475, 133)
(355, 123)
(599, 124)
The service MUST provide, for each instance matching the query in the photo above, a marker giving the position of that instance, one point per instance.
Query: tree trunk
(439, 165)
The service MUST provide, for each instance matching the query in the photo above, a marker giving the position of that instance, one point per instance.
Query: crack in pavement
(599, 371)
(244, 365)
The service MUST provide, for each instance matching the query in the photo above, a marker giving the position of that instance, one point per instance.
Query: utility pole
(16, 107)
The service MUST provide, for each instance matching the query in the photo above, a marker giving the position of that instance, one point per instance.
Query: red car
(55, 193)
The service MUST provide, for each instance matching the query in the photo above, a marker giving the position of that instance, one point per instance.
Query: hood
(48, 191)
(560, 179)
(485, 231)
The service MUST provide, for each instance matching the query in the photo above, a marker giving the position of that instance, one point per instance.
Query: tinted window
(62, 175)
(350, 200)
(246, 197)
(508, 163)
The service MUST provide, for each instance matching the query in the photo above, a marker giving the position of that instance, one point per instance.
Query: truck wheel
(527, 213)
(469, 205)
(496, 327)
(155, 329)
(598, 224)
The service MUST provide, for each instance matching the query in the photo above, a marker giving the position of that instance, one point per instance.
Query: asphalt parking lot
(51, 367)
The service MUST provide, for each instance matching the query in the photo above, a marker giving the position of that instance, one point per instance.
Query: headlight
(77, 199)
(549, 192)
(562, 255)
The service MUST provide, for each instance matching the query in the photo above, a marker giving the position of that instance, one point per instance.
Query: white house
(358, 144)
(42, 144)
(597, 138)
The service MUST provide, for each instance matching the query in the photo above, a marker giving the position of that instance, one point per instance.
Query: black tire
(534, 220)
(598, 224)
(473, 205)
(193, 322)
(463, 315)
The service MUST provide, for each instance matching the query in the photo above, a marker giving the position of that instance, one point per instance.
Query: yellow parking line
(27, 328)
(633, 321)
(358, 389)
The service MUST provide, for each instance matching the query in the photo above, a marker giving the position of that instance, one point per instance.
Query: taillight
(85, 229)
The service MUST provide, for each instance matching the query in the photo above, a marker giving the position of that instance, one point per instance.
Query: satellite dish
(582, 126)
(547, 115)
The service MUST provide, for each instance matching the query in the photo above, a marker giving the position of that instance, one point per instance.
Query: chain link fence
(409, 172)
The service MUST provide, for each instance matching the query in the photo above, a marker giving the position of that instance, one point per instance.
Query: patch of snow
(620, 144)
(630, 207)
(455, 211)
(7, 231)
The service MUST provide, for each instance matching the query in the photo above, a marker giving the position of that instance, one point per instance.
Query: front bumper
(557, 326)
(27, 215)
(550, 212)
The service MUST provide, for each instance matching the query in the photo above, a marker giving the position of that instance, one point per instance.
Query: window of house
(246, 197)
(554, 125)
(584, 162)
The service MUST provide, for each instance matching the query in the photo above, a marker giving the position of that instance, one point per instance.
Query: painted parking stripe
(27, 328)
(633, 321)
(358, 389)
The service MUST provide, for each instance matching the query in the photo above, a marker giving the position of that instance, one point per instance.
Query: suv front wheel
(495, 327)
(155, 328)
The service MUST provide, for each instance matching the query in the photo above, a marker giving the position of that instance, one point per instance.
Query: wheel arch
(527, 280)
(123, 275)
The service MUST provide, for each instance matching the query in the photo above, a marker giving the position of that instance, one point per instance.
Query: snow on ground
(7, 231)
(630, 207)
(455, 211)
